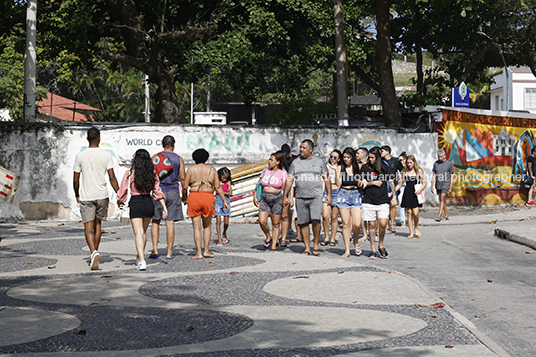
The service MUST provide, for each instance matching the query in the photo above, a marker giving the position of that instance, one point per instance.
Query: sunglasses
(333, 157)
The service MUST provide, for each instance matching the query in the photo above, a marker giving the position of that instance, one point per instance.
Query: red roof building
(57, 108)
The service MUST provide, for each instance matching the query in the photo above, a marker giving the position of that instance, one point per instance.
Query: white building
(521, 88)
(503, 143)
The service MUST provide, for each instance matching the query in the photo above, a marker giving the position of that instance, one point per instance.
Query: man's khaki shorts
(89, 210)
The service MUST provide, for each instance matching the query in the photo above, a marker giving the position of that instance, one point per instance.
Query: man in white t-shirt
(90, 167)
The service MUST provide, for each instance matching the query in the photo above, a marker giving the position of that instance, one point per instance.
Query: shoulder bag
(420, 197)
(124, 217)
(526, 178)
(258, 187)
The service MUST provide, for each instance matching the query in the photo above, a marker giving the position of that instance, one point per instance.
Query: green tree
(257, 46)
(12, 73)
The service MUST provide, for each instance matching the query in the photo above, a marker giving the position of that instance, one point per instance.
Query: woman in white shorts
(375, 207)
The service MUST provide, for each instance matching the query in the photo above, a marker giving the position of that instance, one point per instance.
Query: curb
(501, 233)
(479, 335)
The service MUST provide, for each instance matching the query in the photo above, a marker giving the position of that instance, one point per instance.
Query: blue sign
(460, 96)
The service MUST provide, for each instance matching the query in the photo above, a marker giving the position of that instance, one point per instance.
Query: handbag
(258, 191)
(259, 188)
(124, 217)
(526, 179)
(420, 196)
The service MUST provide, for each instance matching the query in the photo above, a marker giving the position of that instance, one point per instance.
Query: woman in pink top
(271, 205)
(142, 181)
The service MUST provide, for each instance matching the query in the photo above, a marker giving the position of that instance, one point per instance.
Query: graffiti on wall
(324, 149)
(488, 153)
(228, 142)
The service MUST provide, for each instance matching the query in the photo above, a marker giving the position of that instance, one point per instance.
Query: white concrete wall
(521, 81)
(500, 82)
(44, 158)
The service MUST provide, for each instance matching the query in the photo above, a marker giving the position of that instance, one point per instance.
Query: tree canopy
(100, 50)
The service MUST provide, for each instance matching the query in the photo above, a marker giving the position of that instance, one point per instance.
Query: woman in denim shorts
(273, 179)
(331, 212)
(349, 199)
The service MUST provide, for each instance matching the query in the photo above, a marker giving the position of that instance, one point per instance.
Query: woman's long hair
(415, 166)
(283, 159)
(144, 172)
(350, 151)
(339, 162)
(378, 165)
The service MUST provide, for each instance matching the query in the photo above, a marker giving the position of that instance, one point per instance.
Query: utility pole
(30, 59)
(340, 57)
(208, 93)
(147, 100)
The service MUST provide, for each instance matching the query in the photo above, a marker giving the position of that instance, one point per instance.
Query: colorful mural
(489, 155)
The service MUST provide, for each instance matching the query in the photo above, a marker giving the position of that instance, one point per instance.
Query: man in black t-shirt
(393, 165)
(531, 170)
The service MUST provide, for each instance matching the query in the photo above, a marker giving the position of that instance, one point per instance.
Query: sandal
(283, 244)
(334, 243)
(225, 240)
(383, 253)
(358, 251)
(345, 255)
(438, 219)
(409, 237)
(324, 243)
(372, 255)
(296, 240)
(267, 244)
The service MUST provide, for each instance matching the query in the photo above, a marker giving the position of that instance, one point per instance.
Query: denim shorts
(334, 193)
(218, 206)
(349, 198)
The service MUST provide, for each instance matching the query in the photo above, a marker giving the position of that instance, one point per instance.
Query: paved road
(490, 281)
(249, 302)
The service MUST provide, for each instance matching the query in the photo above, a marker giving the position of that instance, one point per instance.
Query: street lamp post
(505, 67)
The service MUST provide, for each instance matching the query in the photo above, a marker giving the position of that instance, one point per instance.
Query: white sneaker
(95, 257)
(142, 265)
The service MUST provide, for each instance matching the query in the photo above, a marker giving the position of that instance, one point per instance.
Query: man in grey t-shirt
(308, 171)
(442, 179)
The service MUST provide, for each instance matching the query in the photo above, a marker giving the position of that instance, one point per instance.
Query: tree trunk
(166, 109)
(143, 53)
(391, 109)
(341, 60)
(420, 74)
